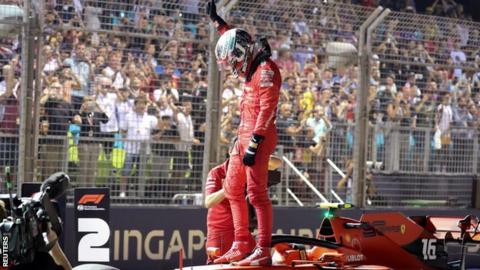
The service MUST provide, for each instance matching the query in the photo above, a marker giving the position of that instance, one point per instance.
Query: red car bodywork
(375, 241)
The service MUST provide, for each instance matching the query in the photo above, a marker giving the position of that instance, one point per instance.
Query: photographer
(59, 262)
(30, 222)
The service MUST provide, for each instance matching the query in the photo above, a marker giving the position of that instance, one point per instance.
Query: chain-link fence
(425, 105)
(417, 60)
(314, 112)
(121, 98)
(11, 17)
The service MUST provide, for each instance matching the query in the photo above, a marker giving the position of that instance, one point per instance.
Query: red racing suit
(219, 218)
(258, 108)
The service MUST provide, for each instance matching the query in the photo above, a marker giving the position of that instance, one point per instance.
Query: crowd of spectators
(137, 71)
(444, 8)
(98, 88)
(423, 91)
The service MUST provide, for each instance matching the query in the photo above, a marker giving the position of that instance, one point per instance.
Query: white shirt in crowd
(446, 117)
(123, 109)
(393, 89)
(165, 111)
(139, 128)
(228, 93)
(117, 77)
(157, 93)
(301, 27)
(185, 130)
(51, 65)
(476, 79)
(107, 103)
(459, 58)
(320, 128)
(3, 89)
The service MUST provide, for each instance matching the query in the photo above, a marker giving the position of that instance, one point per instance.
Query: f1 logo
(91, 198)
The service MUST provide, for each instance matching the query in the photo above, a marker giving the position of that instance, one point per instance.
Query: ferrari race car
(377, 241)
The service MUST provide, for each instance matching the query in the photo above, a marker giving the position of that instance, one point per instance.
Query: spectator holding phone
(81, 68)
(320, 124)
(114, 70)
(183, 164)
(52, 63)
(89, 148)
(106, 100)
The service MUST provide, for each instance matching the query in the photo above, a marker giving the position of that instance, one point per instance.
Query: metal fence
(11, 21)
(408, 155)
(425, 110)
(127, 97)
(124, 97)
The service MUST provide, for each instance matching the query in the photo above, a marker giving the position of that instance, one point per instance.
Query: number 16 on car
(429, 249)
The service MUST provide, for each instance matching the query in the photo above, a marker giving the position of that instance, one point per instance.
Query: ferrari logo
(402, 228)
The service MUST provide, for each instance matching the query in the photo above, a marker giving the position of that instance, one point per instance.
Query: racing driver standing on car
(257, 138)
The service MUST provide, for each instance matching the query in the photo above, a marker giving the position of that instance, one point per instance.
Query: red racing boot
(260, 257)
(237, 252)
(212, 254)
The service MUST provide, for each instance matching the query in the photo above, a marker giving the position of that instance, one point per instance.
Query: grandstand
(93, 63)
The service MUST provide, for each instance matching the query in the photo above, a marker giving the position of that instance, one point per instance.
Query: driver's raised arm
(219, 23)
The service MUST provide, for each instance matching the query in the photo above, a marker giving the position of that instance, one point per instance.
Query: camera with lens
(22, 232)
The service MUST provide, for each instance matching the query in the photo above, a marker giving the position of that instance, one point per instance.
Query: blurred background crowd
(124, 87)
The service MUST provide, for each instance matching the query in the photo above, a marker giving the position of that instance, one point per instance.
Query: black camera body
(22, 233)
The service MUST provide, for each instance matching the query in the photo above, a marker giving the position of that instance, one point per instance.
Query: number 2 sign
(92, 215)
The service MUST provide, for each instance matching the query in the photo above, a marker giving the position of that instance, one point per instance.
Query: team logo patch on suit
(266, 78)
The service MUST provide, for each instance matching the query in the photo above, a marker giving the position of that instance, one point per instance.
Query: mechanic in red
(257, 138)
(220, 232)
